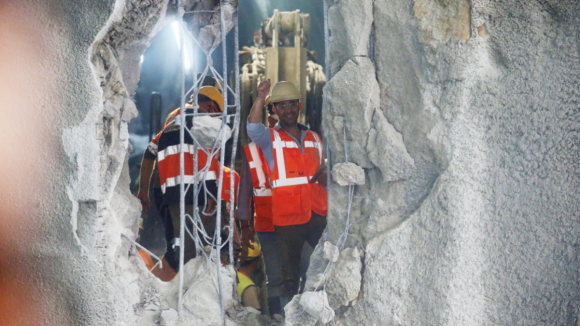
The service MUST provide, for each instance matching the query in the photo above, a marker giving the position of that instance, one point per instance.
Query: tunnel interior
(452, 128)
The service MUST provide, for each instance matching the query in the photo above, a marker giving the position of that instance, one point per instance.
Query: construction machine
(280, 53)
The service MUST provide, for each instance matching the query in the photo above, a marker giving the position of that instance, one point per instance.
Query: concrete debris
(208, 130)
(296, 315)
(345, 282)
(331, 251)
(201, 304)
(279, 318)
(169, 317)
(347, 174)
(316, 304)
(315, 283)
(387, 150)
(250, 316)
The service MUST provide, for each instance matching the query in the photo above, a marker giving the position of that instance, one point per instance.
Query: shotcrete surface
(484, 230)
(463, 114)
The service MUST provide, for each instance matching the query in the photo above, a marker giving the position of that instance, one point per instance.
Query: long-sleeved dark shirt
(246, 192)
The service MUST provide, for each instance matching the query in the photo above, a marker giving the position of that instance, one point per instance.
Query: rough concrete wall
(470, 210)
(464, 115)
(67, 79)
(78, 253)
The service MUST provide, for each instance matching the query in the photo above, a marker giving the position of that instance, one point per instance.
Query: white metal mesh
(199, 234)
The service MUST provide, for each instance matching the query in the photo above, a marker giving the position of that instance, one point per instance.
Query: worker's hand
(143, 196)
(247, 236)
(321, 176)
(264, 89)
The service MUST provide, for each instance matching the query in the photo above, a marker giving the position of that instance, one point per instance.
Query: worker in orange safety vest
(294, 164)
(164, 149)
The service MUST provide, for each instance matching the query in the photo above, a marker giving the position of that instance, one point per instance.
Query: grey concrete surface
(464, 117)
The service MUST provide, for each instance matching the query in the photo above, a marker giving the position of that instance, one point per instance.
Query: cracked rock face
(469, 211)
(351, 22)
(94, 275)
(345, 280)
(351, 97)
(464, 117)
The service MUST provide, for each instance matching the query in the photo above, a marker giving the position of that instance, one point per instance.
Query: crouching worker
(247, 290)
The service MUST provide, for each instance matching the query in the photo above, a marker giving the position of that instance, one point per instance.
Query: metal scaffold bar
(236, 132)
(144, 249)
(221, 173)
(181, 161)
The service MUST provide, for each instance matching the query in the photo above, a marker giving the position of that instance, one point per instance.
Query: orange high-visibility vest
(293, 198)
(169, 169)
(168, 160)
(262, 191)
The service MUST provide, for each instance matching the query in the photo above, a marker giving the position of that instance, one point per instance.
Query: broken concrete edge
(316, 304)
(348, 174)
(139, 296)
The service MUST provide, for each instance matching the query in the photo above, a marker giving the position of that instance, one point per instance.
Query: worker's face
(208, 107)
(288, 111)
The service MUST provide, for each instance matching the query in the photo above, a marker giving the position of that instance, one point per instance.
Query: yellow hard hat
(267, 101)
(254, 253)
(213, 94)
(284, 91)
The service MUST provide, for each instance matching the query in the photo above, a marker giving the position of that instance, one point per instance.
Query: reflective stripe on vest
(263, 192)
(256, 164)
(188, 179)
(172, 150)
(261, 189)
(278, 144)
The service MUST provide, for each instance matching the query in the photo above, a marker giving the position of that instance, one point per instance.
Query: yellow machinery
(280, 53)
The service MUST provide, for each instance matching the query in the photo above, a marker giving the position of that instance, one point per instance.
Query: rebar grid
(199, 234)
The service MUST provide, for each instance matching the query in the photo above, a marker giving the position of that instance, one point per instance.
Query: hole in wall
(159, 89)
(158, 92)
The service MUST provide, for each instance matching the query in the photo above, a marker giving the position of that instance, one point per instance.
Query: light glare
(177, 32)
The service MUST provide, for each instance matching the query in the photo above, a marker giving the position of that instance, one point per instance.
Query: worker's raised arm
(258, 107)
